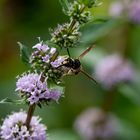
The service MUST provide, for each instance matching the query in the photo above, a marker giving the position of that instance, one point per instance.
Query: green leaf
(93, 31)
(10, 101)
(51, 44)
(65, 4)
(131, 92)
(90, 3)
(24, 53)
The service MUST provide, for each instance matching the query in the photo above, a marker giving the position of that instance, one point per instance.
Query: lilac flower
(35, 90)
(134, 11)
(129, 9)
(94, 124)
(53, 51)
(46, 58)
(41, 47)
(114, 69)
(57, 62)
(30, 83)
(54, 95)
(116, 8)
(14, 128)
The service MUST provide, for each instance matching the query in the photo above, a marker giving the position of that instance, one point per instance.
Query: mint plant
(43, 82)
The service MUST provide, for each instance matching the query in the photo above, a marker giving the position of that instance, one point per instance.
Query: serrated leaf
(65, 4)
(24, 53)
(10, 101)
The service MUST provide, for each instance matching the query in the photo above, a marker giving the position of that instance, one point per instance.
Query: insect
(72, 66)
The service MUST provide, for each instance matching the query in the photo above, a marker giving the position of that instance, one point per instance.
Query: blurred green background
(24, 21)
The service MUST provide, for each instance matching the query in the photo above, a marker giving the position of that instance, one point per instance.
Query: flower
(46, 58)
(53, 51)
(35, 90)
(41, 47)
(76, 12)
(129, 9)
(113, 70)
(94, 124)
(14, 128)
(134, 11)
(57, 62)
(64, 37)
(54, 94)
(116, 8)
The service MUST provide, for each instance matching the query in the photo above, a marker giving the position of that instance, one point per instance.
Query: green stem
(29, 115)
(109, 100)
(68, 52)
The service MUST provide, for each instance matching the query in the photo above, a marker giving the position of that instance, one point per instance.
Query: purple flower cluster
(94, 124)
(113, 70)
(131, 9)
(134, 11)
(42, 52)
(35, 90)
(116, 9)
(14, 128)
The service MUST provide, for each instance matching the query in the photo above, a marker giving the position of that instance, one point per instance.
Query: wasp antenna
(89, 76)
(85, 52)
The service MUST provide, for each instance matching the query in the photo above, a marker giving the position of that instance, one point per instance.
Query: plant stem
(109, 100)
(68, 52)
(29, 115)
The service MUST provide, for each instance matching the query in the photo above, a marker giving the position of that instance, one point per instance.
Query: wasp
(72, 66)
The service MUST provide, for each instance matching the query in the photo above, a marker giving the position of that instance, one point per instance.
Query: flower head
(94, 124)
(129, 9)
(35, 90)
(134, 11)
(113, 70)
(77, 13)
(64, 37)
(46, 60)
(116, 9)
(14, 128)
